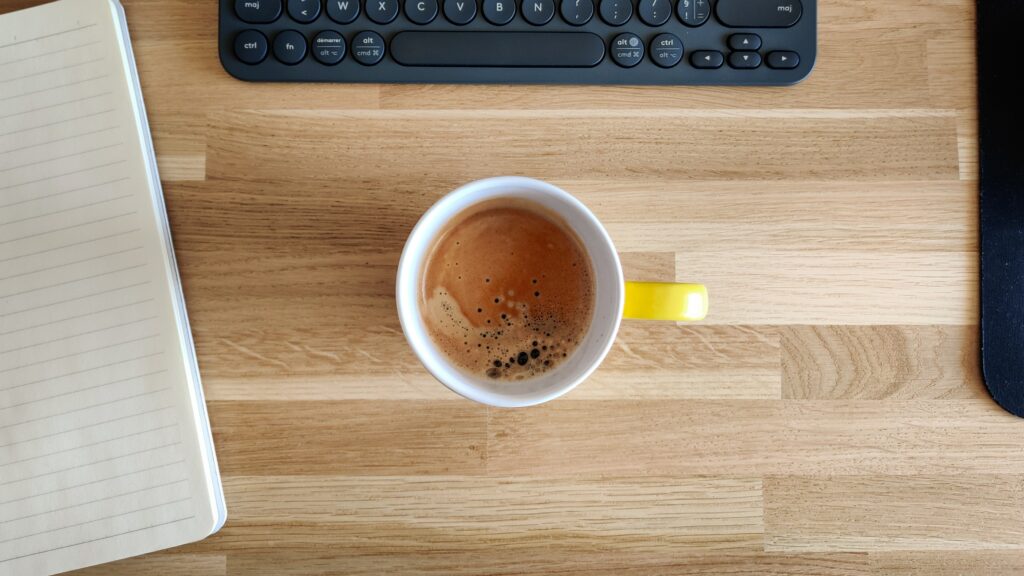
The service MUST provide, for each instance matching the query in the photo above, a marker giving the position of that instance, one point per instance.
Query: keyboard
(633, 42)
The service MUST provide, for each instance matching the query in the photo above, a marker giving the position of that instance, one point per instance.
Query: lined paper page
(100, 453)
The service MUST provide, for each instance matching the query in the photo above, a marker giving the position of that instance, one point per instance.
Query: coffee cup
(613, 298)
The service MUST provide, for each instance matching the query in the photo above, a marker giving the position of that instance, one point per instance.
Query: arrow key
(744, 60)
(304, 11)
(783, 59)
(744, 42)
(709, 59)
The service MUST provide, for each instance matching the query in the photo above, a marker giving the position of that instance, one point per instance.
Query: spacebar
(498, 49)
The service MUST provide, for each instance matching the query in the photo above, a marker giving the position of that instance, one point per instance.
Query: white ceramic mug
(666, 301)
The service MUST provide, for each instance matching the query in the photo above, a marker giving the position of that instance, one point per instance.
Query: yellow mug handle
(665, 301)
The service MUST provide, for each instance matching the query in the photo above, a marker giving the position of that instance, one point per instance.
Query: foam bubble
(513, 252)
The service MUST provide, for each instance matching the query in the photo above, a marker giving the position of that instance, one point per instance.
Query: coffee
(507, 290)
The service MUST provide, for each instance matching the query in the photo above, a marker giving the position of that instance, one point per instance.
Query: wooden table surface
(829, 417)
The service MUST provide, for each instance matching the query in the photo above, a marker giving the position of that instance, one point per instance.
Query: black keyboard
(723, 42)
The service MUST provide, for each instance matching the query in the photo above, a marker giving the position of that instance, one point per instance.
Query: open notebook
(105, 446)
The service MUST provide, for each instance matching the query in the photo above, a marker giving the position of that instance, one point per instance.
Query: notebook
(105, 445)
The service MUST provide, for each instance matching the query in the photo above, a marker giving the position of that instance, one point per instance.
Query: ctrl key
(666, 50)
(368, 48)
(251, 46)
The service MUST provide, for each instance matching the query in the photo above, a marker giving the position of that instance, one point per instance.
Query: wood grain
(948, 563)
(880, 362)
(827, 419)
(356, 437)
(508, 512)
(731, 437)
(863, 514)
(554, 561)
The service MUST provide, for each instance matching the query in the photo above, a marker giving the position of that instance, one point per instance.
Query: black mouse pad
(1001, 163)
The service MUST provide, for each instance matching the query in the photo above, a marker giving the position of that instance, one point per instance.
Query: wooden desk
(828, 418)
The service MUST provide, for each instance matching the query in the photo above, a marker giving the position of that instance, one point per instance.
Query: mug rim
(407, 288)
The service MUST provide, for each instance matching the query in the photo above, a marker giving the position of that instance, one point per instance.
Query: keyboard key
(251, 46)
(744, 42)
(615, 12)
(538, 12)
(290, 47)
(381, 11)
(783, 59)
(519, 49)
(627, 50)
(329, 47)
(304, 11)
(577, 12)
(343, 11)
(744, 60)
(693, 12)
(499, 12)
(654, 12)
(460, 11)
(258, 11)
(707, 59)
(421, 11)
(666, 50)
(368, 48)
(759, 13)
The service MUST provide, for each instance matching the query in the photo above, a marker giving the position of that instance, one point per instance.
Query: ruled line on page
(82, 371)
(97, 481)
(79, 334)
(58, 104)
(49, 53)
(80, 352)
(100, 293)
(150, 527)
(75, 317)
(77, 524)
(62, 156)
(71, 245)
(70, 227)
(50, 35)
(41, 90)
(94, 462)
(79, 189)
(87, 502)
(69, 209)
(66, 264)
(55, 123)
(55, 176)
(51, 70)
(65, 413)
(85, 426)
(84, 278)
(90, 445)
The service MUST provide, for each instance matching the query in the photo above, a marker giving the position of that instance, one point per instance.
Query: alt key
(329, 47)
(368, 48)
(627, 50)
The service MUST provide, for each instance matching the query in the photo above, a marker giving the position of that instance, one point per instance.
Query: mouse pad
(1001, 166)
